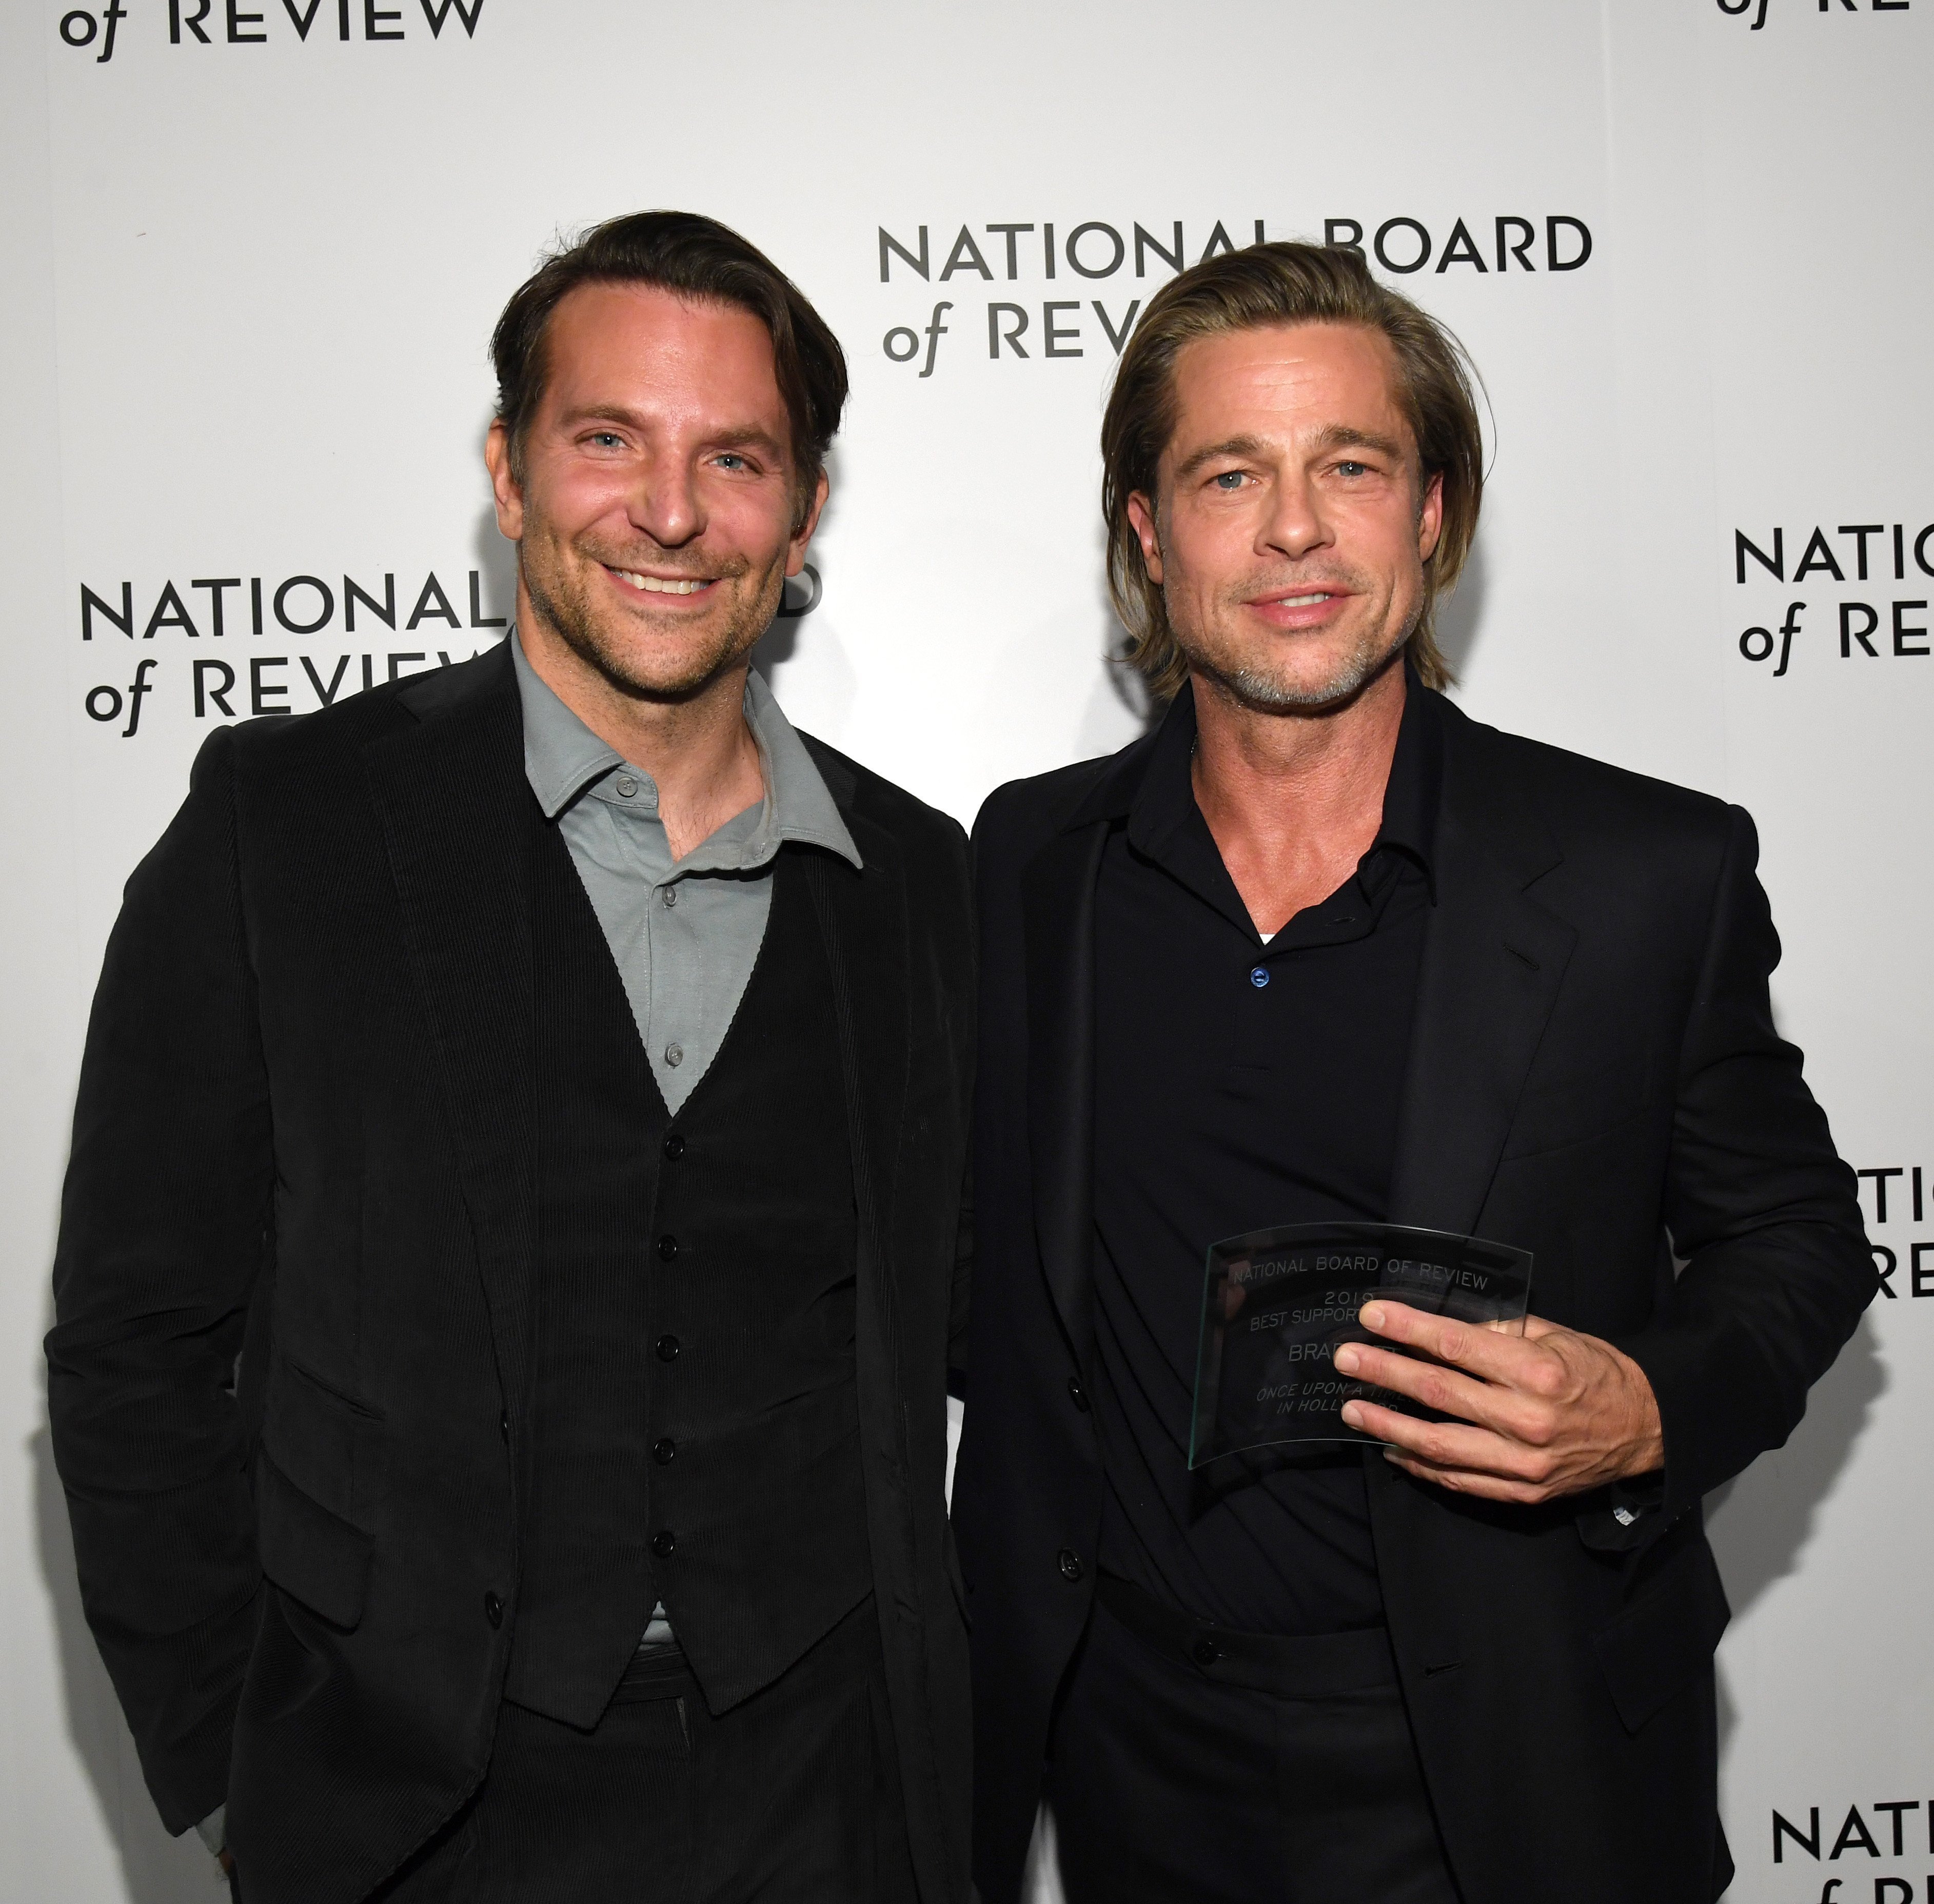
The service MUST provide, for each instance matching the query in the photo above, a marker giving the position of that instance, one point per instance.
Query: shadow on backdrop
(496, 560)
(1460, 618)
(155, 1868)
(1759, 1523)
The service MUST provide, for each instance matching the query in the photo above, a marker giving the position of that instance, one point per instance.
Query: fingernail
(1353, 1415)
(1373, 1318)
(1348, 1357)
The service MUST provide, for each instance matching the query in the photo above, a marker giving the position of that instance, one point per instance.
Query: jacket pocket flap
(307, 1551)
(1654, 1650)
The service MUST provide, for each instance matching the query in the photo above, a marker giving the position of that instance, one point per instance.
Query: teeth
(1303, 601)
(654, 585)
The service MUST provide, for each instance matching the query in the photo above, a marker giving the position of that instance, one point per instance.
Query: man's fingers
(1453, 1447)
(1489, 1405)
(1490, 1353)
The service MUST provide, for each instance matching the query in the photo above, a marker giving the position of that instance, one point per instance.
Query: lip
(1290, 608)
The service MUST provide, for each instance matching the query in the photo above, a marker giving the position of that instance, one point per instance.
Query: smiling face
(657, 511)
(1291, 522)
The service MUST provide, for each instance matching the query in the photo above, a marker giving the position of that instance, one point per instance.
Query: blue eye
(1352, 469)
(1230, 479)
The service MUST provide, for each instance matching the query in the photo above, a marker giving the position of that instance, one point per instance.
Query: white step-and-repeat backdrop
(254, 249)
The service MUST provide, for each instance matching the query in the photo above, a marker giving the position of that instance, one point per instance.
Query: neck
(697, 747)
(1294, 800)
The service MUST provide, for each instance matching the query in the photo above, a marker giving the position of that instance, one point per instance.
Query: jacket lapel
(459, 823)
(863, 923)
(1057, 906)
(863, 919)
(1493, 960)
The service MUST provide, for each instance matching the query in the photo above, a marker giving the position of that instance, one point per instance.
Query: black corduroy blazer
(1594, 1075)
(303, 1134)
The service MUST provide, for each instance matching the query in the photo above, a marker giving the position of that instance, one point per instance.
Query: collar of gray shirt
(563, 759)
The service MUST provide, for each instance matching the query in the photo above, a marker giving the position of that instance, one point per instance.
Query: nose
(664, 503)
(1294, 525)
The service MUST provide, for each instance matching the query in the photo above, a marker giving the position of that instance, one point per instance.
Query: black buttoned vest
(692, 1433)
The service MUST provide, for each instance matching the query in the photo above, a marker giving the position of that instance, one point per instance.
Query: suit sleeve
(1760, 1209)
(165, 1225)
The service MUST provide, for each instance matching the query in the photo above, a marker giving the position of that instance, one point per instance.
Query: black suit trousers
(791, 1796)
(1170, 1783)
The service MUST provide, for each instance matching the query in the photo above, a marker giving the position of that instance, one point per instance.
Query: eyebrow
(1336, 436)
(1342, 436)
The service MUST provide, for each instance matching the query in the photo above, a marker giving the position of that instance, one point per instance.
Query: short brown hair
(696, 258)
(1283, 283)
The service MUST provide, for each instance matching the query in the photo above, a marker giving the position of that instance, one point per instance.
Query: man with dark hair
(1320, 949)
(549, 1077)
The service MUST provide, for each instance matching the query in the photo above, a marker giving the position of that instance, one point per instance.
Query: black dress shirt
(1240, 1085)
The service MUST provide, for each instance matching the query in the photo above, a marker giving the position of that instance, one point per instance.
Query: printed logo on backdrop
(365, 633)
(258, 23)
(1881, 1833)
(1900, 1199)
(1860, 619)
(1025, 325)
(1757, 8)
(370, 624)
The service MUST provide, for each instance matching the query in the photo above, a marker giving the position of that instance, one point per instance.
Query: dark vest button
(674, 1145)
(493, 1609)
(663, 1450)
(1206, 1652)
(1070, 1564)
(664, 1542)
(1077, 1394)
(504, 1424)
(667, 1348)
(667, 1248)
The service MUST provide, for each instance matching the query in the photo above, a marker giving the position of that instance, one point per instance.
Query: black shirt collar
(1163, 802)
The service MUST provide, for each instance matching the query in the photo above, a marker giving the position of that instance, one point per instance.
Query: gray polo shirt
(684, 934)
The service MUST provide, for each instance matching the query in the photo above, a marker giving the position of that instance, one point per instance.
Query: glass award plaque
(1277, 1304)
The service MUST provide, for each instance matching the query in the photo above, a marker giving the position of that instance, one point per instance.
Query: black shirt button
(1077, 1394)
(667, 1348)
(493, 1609)
(1069, 1561)
(663, 1450)
(664, 1542)
(674, 1145)
(667, 1248)
(1206, 1652)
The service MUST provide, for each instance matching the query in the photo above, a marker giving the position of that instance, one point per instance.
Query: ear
(504, 486)
(1430, 517)
(802, 535)
(1141, 519)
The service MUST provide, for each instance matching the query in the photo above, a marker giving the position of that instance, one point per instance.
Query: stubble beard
(560, 595)
(1256, 685)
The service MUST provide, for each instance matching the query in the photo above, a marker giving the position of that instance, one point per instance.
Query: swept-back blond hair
(1283, 283)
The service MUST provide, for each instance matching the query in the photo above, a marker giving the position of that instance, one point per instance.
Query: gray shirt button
(626, 786)
(669, 894)
(674, 1054)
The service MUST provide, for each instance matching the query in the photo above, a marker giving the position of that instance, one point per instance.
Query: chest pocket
(1579, 1094)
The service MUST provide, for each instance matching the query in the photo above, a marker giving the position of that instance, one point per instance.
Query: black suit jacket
(1595, 1076)
(304, 1117)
